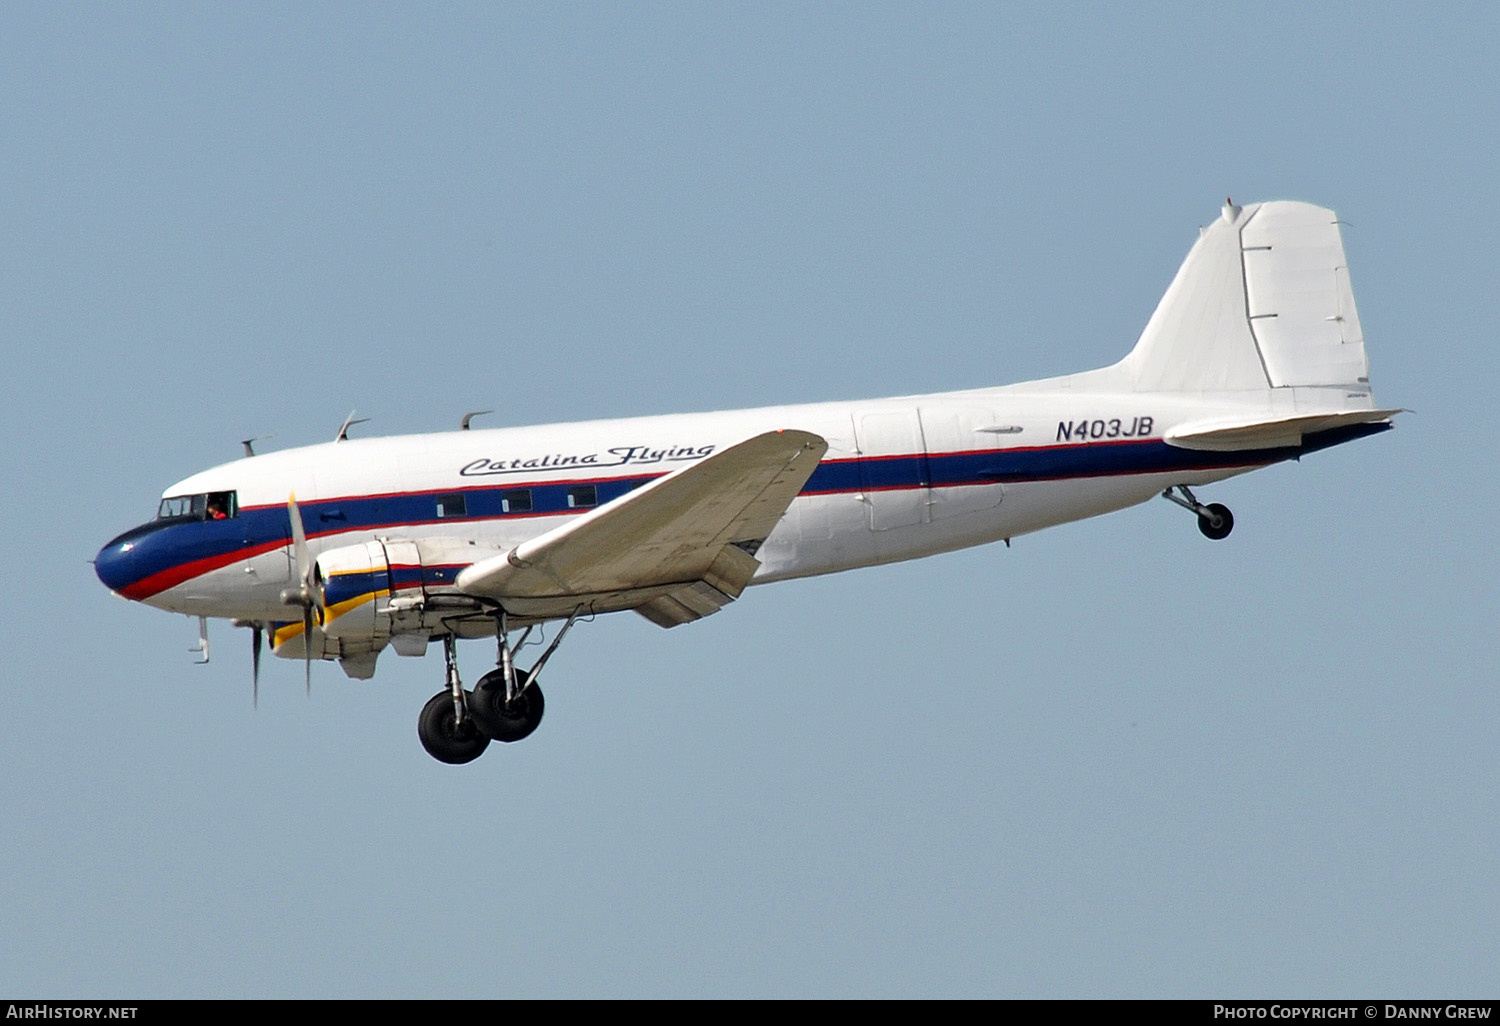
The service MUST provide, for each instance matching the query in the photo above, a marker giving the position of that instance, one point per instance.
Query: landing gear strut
(456, 726)
(446, 727)
(507, 703)
(1214, 520)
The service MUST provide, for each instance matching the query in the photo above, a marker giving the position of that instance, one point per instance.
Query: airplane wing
(676, 549)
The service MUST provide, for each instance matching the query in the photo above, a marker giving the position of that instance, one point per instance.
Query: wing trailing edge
(676, 549)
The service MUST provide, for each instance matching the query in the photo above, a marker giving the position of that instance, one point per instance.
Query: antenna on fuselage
(349, 422)
(249, 443)
(463, 425)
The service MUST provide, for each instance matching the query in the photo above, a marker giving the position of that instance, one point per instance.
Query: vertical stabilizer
(1262, 301)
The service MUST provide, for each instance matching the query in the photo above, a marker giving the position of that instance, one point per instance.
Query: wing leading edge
(676, 549)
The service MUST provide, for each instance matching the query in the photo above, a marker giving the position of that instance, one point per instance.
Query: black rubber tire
(446, 740)
(1226, 522)
(503, 722)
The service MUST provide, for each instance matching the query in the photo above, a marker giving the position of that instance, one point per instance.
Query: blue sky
(1114, 760)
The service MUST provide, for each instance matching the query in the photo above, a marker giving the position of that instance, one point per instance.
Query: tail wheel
(446, 739)
(1216, 521)
(500, 720)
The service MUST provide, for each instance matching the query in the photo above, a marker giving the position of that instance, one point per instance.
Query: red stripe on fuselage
(174, 576)
(182, 572)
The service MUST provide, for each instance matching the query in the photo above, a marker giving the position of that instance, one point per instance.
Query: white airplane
(336, 551)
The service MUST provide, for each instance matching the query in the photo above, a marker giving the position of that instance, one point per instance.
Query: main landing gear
(1214, 520)
(456, 726)
(506, 719)
(448, 731)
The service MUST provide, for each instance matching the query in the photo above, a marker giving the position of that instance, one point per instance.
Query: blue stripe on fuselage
(257, 528)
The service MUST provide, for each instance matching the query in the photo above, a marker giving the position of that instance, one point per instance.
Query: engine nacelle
(392, 586)
(353, 587)
(391, 590)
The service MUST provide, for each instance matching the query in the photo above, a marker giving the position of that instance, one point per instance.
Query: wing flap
(686, 604)
(722, 584)
(695, 526)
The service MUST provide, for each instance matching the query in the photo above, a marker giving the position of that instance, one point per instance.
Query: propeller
(255, 664)
(304, 594)
(256, 627)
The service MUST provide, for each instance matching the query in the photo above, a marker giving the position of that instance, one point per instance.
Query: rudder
(1262, 301)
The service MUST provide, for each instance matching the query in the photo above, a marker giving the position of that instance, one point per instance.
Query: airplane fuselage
(903, 478)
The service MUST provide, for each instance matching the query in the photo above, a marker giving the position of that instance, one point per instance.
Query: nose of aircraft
(117, 565)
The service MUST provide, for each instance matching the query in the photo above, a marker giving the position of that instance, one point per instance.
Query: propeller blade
(255, 664)
(299, 546)
(306, 595)
(307, 625)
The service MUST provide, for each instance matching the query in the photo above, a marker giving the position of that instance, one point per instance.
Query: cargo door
(893, 471)
(962, 460)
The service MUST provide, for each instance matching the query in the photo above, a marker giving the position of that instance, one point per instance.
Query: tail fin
(1262, 301)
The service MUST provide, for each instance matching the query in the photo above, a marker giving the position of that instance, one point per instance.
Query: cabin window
(517, 500)
(582, 496)
(203, 506)
(451, 506)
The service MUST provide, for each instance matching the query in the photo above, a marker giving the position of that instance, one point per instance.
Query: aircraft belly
(1035, 505)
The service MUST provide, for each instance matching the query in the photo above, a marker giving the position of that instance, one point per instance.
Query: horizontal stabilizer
(1235, 434)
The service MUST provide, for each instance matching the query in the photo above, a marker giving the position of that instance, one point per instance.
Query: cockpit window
(204, 506)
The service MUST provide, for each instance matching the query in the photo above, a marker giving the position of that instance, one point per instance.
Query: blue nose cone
(119, 564)
(113, 566)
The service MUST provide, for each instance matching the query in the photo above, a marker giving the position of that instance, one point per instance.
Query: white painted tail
(1262, 301)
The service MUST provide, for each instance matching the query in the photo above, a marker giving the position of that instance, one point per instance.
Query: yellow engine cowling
(384, 591)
